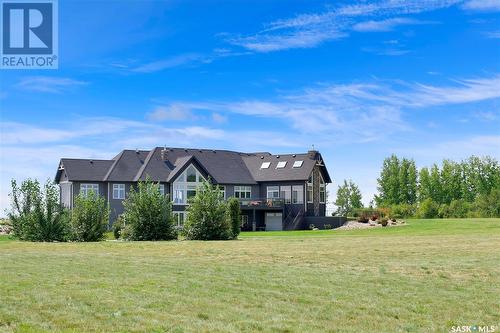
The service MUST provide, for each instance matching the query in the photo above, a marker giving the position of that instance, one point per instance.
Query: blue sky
(359, 80)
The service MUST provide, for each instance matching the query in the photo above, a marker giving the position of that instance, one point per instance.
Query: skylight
(265, 165)
(297, 164)
(281, 165)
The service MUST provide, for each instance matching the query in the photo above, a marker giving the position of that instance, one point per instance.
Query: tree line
(469, 188)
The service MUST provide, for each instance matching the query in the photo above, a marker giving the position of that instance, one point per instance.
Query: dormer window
(298, 164)
(281, 165)
(265, 165)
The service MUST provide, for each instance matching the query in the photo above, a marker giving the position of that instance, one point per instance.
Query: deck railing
(262, 203)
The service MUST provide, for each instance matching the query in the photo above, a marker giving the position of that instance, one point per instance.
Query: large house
(276, 191)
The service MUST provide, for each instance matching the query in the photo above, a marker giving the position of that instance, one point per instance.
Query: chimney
(163, 154)
(313, 154)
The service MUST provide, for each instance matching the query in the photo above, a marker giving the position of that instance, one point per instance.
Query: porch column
(254, 223)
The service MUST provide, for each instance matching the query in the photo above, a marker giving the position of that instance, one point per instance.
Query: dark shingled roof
(254, 163)
(126, 165)
(85, 169)
(224, 167)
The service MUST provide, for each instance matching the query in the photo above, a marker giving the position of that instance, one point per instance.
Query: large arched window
(184, 187)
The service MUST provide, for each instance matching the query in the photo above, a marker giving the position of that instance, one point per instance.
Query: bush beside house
(208, 217)
(36, 214)
(148, 214)
(233, 206)
(89, 218)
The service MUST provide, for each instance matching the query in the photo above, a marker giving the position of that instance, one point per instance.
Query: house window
(322, 190)
(244, 220)
(297, 164)
(243, 192)
(191, 174)
(179, 218)
(265, 165)
(184, 187)
(222, 191)
(286, 194)
(281, 165)
(162, 189)
(118, 191)
(179, 193)
(310, 189)
(85, 189)
(273, 192)
(297, 194)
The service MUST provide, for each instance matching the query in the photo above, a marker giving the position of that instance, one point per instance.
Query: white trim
(177, 219)
(85, 187)
(281, 165)
(300, 198)
(242, 189)
(322, 185)
(265, 165)
(120, 191)
(272, 189)
(180, 186)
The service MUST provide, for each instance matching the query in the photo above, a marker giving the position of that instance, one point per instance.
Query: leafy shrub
(428, 209)
(327, 226)
(208, 217)
(126, 232)
(374, 217)
(233, 205)
(403, 210)
(149, 213)
(36, 214)
(363, 219)
(456, 208)
(89, 218)
(118, 226)
(384, 221)
(488, 205)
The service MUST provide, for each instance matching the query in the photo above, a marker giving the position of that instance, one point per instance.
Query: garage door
(274, 222)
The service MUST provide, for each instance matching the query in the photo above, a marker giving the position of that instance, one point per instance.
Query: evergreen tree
(233, 205)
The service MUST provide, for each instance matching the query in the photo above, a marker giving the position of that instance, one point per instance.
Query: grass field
(426, 276)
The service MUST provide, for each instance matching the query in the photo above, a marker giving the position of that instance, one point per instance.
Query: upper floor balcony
(262, 203)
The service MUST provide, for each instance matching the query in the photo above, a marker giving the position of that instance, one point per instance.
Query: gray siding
(65, 194)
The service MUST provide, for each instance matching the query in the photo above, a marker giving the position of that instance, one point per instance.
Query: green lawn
(423, 277)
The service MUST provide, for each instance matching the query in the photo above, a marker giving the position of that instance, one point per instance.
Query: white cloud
(386, 25)
(479, 145)
(482, 5)
(171, 112)
(175, 61)
(493, 34)
(219, 118)
(313, 29)
(49, 84)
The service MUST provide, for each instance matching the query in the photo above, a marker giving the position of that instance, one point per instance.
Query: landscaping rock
(5, 229)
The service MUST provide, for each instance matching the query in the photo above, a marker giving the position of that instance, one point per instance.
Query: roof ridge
(85, 159)
(144, 165)
(119, 156)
